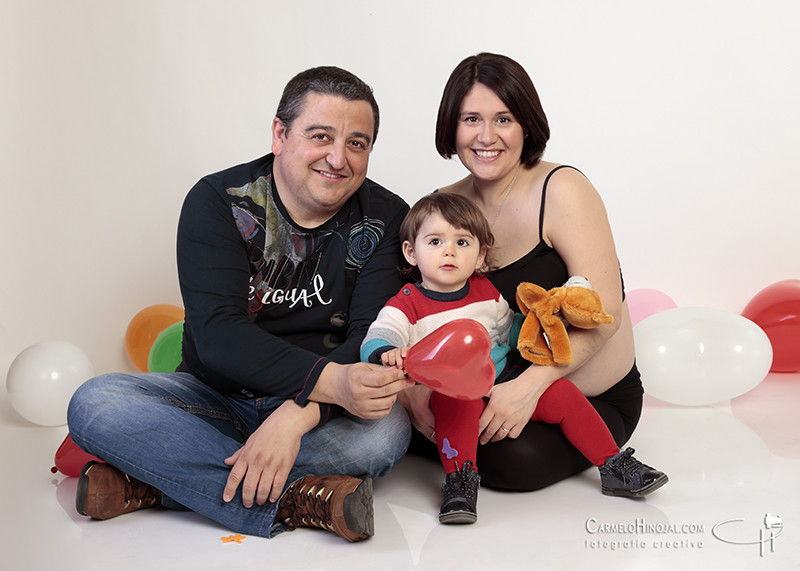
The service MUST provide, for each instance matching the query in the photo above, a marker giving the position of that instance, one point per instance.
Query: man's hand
(263, 464)
(363, 389)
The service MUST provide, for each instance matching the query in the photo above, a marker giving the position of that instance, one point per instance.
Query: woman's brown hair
(512, 84)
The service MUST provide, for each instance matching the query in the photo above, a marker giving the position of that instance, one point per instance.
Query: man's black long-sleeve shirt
(268, 303)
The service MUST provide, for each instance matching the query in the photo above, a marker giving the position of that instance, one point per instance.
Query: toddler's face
(446, 256)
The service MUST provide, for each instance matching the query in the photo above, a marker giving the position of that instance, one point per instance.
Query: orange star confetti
(237, 538)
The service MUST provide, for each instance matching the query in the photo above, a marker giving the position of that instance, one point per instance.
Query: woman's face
(488, 137)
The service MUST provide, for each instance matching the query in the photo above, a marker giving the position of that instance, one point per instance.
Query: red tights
(562, 403)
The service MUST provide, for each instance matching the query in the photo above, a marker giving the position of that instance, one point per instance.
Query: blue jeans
(173, 432)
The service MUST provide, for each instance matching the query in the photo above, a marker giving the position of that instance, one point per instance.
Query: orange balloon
(145, 327)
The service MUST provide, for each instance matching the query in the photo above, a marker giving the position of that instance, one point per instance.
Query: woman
(549, 224)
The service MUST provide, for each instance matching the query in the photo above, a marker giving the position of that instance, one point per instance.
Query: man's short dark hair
(324, 80)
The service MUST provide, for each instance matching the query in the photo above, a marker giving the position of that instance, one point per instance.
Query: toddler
(446, 240)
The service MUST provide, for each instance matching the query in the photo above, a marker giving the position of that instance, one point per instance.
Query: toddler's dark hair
(459, 212)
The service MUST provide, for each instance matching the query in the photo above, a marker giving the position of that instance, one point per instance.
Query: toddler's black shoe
(460, 491)
(624, 475)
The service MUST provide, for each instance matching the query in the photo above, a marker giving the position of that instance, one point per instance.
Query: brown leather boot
(105, 492)
(340, 504)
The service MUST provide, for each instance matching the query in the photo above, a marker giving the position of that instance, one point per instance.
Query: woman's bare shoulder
(569, 188)
(462, 187)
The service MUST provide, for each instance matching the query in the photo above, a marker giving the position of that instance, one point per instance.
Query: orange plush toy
(543, 338)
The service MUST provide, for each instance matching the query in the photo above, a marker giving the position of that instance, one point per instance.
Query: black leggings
(542, 455)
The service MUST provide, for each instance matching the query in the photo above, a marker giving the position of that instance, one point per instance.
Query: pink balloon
(645, 302)
(70, 458)
(776, 310)
(454, 360)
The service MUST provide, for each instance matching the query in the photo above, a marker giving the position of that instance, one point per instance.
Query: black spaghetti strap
(544, 195)
(541, 216)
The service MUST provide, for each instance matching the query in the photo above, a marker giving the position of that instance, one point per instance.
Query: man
(270, 422)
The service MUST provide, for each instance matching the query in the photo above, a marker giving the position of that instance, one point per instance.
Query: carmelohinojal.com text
(600, 530)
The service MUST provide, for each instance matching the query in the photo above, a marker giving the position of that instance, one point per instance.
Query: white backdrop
(684, 114)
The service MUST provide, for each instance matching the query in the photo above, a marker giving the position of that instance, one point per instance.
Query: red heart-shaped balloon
(453, 360)
(70, 458)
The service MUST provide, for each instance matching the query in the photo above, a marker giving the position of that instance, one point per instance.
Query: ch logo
(773, 527)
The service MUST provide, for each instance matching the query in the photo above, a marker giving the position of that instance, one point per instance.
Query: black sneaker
(460, 491)
(624, 475)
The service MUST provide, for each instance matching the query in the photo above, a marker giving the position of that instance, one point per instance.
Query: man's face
(322, 159)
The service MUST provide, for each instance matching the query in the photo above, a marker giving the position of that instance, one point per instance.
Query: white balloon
(42, 379)
(697, 356)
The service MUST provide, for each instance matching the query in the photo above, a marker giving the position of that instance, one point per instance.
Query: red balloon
(70, 459)
(776, 310)
(454, 360)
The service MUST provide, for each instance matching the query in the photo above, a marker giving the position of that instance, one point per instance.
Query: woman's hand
(416, 402)
(263, 464)
(511, 405)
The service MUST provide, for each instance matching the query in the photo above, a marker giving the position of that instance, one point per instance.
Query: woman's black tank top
(542, 265)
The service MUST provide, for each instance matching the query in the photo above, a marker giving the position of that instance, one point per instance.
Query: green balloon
(165, 353)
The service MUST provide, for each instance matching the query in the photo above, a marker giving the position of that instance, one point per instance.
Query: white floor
(729, 466)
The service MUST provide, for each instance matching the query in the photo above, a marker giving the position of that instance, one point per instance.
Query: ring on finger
(504, 428)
